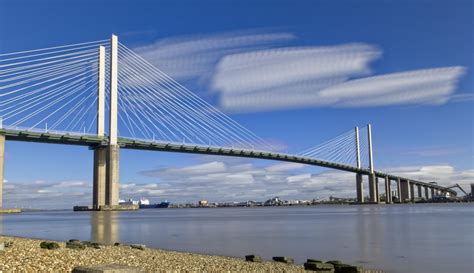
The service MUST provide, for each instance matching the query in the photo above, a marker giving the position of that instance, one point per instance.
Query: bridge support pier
(399, 191)
(427, 196)
(412, 192)
(2, 162)
(112, 181)
(388, 191)
(377, 194)
(420, 192)
(432, 193)
(100, 168)
(404, 191)
(359, 188)
(373, 188)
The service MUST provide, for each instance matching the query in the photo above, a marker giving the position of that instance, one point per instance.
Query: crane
(459, 187)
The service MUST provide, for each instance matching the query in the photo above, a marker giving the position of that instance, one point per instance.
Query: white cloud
(426, 86)
(251, 71)
(445, 175)
(260, 70)
(194, 56)
(49, 195)
(238, 181)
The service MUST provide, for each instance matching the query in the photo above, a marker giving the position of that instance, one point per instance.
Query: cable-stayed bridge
(70, 94)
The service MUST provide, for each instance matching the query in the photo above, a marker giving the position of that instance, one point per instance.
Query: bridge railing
(43, 131)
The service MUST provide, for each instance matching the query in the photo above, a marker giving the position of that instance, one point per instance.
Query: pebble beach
(26, 255)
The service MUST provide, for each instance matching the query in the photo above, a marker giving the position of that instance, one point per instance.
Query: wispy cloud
(240, 180)
(194, 56)
(253, 71)
(48, 195)
(426, 86)
(446, 175)
(260, 70)
(233, 180)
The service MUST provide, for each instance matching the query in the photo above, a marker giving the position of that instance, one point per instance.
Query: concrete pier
(399, 191)
(372, 188)
(388, 191)
(2, 164)
(432, 192)
(420, 192)
(427, 196)
(359, 188)
(377, 194)
(100, 168)
(112, 181)
(405, 194)
(412, 191)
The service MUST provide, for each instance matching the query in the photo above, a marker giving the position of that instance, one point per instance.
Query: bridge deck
(95, 141)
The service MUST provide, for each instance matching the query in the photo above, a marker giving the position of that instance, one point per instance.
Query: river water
(396, 238)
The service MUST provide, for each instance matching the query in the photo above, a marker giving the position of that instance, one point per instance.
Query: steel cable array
(50, 89)
(341, 149)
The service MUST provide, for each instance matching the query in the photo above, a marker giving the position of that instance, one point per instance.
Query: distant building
(203, 203)
(275, 201)
(129, 202)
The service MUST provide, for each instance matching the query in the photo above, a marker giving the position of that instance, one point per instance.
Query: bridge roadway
(57, 137)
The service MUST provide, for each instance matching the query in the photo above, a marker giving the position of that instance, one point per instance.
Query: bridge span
(403, 187)
(69, 86)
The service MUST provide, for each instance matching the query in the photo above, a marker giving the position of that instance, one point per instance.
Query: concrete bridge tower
(106, 158)
(113, 149)
(359, 180)
(100, 153)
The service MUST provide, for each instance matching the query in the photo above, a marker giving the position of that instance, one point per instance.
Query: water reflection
(104, 227)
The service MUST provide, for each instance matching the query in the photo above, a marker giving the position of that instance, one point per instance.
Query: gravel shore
(26, 255)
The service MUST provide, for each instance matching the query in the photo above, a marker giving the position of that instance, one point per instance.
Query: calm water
(396, 238)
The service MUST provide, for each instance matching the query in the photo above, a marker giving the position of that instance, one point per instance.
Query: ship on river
(145, 204)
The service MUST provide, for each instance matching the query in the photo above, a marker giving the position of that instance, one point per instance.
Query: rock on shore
(26, 255)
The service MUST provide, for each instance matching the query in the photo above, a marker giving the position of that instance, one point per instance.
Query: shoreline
(26, 255)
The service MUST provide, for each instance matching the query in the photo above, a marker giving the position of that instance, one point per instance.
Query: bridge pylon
(373, 183)
(100, 159)
(106, 158)
(2, 162)
(359, 180)
(113, 149)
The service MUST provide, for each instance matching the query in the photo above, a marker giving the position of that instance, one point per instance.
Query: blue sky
(429, 139)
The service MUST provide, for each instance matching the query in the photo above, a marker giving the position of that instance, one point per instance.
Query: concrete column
(388, 191)
(405, 195)
(432, 193)
(357, 143)
(101, 94)
(420, 192)
(100, 153)
(427, 196)
(100, 165)
(372, 188)
(113, 150)
(112, 182)
(412, 192)
(359, 188)
(2, 165)
(369, 140)
(113, 90)
(399, 191)
(377, 194)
